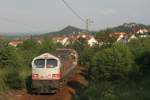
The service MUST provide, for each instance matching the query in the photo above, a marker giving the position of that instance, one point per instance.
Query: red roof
(15, 42)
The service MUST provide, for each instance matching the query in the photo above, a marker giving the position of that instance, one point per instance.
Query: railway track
(66, 93)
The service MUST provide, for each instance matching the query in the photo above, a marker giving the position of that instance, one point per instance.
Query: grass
(3, 74)
(25, 72)
(13, 79)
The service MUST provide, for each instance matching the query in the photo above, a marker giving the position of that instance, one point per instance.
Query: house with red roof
(14, 43)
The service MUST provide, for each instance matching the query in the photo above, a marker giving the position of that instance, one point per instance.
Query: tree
(48, 46)
(9, 66)
(29, 45)
(79, 45)
(104, 36)
(141, 50)
(28, 50)
(112, 63)
(8, 56)
(86, 57)
(139, 46)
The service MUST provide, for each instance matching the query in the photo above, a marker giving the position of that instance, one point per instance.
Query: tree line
(116, 71)
(15, 62)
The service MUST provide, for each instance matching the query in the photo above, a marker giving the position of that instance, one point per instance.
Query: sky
(53, 15)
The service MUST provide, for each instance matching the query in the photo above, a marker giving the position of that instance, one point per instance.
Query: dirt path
(66, 93)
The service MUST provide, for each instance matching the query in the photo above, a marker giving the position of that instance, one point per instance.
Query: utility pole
(88, 22)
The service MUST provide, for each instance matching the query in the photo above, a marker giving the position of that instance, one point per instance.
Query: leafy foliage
(141, 50)
(8, 54)
(104, 36)
(13, 79)
(15, 62)
(112, 62)
(48, 46)
(115, 71)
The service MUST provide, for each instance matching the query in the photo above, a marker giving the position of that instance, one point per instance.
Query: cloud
(107, 12)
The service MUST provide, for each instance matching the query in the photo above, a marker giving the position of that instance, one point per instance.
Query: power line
(88, 22)
(73, 11)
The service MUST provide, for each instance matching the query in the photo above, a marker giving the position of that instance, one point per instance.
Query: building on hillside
(131, 37)
(14, 43)
(143, 33)
(88, 37)
(121, 37)
(39, 41)
(125, 37)
(64, 40)
(82, 35)
(92, 41)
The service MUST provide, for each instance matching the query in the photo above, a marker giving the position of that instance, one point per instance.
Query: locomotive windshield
(40, 63)
(51, 63)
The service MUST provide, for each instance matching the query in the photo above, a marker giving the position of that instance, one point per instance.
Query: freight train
(51, 71)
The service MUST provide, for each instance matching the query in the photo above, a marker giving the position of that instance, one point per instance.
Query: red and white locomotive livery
(51, 71)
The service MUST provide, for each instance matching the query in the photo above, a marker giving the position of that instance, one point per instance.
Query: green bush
(110, 68)
(139, 46)
(111, 63)
(15, 63)
(8, 57)
(86, 57)
(13, 79)
(141, 50)
(47, 46)
(10, 79)
(27, 51)
(3, 85)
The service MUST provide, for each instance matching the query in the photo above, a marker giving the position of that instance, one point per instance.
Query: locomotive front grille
(45, 86)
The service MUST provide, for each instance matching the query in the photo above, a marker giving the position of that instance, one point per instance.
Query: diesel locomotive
(51, 71)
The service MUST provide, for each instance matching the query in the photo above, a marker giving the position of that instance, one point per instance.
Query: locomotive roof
(46, 55)
(59, 53)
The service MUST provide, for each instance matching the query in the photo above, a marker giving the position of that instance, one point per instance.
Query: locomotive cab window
(51, 63)
(40, 63)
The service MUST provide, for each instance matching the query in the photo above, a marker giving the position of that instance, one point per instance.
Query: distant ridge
(70, 29)
(67, 30)
(130, 27)
(126, 27)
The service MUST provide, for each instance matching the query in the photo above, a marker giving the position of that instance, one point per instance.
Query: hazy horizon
(53, 15)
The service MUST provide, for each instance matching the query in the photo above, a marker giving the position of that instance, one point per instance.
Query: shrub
(3, 85)
(141, 50)
(13, 79)
(8, 57)
(111, 63)
(47, 46)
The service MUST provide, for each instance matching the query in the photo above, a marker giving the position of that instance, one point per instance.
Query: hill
(130, 27)
(67, 30)
(126, 27)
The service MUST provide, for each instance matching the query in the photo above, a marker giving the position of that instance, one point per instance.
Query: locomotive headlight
(56, 76)
(35, 76)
